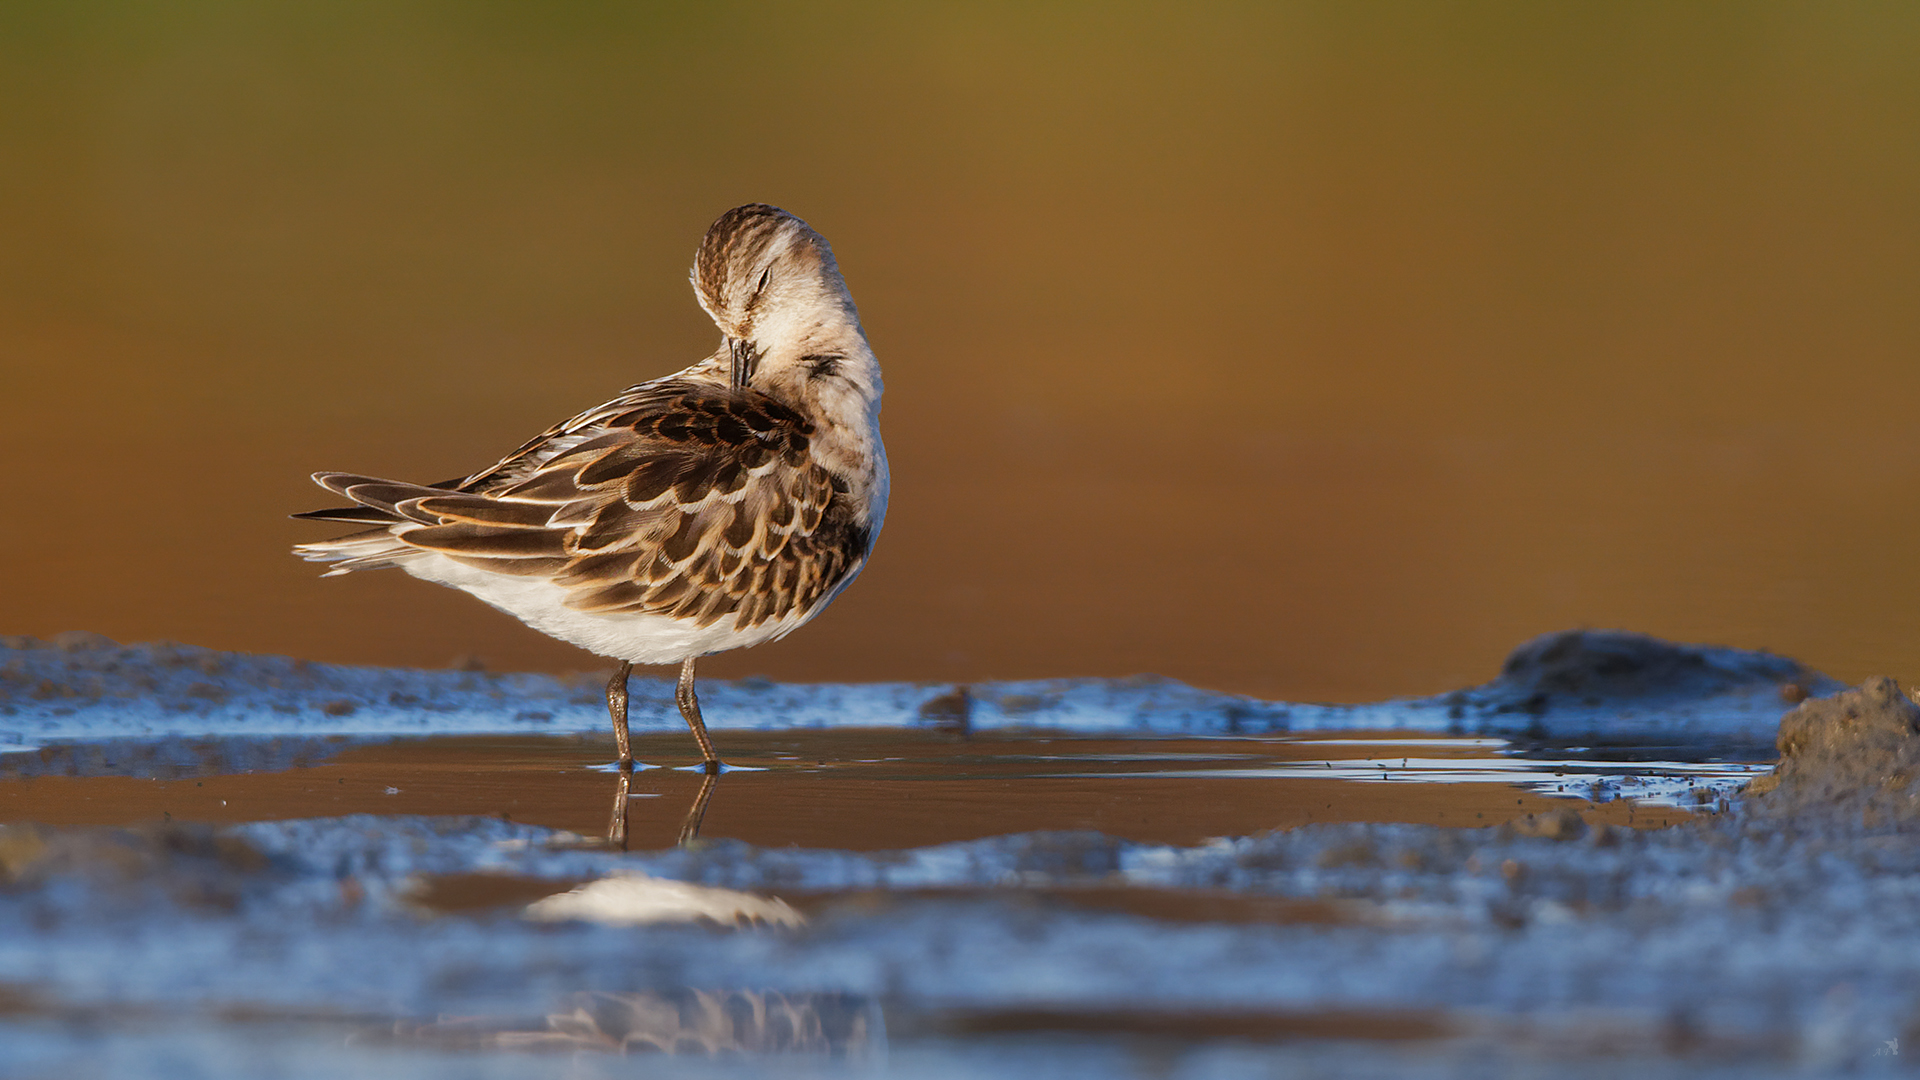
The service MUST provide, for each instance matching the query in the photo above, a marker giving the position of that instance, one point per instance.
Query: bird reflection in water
(712, 1022)
(689, 827)
(703, 1023)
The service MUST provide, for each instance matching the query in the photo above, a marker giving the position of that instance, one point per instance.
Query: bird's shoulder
(674, 418)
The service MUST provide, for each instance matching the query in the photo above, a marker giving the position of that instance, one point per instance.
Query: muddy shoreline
(1770, 932)
(1597, 688)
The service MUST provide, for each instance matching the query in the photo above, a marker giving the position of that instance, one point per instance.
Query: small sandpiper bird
(712, 509)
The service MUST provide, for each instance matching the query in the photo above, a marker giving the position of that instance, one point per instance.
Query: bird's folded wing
(680, 498)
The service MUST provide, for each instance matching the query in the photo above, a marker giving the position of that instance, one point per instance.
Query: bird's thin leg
(690, 708)
(617, 827)
(690, 828)
(617, 709)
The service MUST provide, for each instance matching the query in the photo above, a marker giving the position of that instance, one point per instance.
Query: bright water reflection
(885, 789)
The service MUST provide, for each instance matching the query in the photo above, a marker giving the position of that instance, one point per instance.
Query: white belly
(642, 639)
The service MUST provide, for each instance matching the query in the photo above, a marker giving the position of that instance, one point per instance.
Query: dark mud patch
(1390, 1026)
(1593, 666)
(1620, 690)
(171, 759)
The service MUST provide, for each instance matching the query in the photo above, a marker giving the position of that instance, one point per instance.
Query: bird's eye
(765, 276)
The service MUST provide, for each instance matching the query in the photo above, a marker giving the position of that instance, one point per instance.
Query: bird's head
(770, 283)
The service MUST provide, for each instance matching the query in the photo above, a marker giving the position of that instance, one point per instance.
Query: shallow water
(386, 823)
(879, 789)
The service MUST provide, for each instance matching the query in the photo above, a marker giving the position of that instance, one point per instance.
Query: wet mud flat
(218, 865)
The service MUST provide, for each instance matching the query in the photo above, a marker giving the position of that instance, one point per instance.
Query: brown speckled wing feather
(679, 498)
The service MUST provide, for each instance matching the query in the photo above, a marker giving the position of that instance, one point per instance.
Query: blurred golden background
(1316, 350)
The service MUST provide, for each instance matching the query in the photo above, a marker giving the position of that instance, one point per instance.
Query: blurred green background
(1319, 350)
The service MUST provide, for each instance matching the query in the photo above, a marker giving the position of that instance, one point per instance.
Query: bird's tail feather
(374, 549)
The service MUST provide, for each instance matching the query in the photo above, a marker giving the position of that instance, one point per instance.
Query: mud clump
(1601, 664)
(122, 873)
(1549, 825)
(950, 712)
(1852, 756)
(1619, 688)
